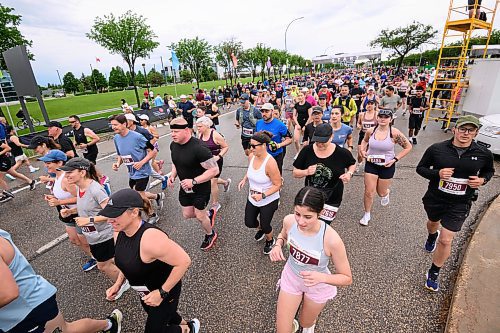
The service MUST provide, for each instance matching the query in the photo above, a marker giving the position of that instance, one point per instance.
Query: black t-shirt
(187, 159)
(328, 171)
(302, 112)
(209, 112)
(66, 144)
(308, 132)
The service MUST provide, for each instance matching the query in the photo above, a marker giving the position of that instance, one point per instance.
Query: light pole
(286, 50)
(146, 78)
(64, 92)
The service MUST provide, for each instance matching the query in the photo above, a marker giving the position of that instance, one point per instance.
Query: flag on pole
(97, 59)
(234, 59)
(175, 61)
(268, 64)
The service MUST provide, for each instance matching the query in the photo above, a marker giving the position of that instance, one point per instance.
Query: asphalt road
(231, 288)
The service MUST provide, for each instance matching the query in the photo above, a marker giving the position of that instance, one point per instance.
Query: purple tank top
(379, 148)
(210, 144)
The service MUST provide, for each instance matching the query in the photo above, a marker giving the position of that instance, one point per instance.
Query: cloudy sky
(57, 27)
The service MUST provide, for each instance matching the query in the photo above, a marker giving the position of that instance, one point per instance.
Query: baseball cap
(120, 201)
(37, 141)
(371, 101)
(207, 98)
(322, 96)
(371, 88)
(322, 133)
(144, 117)
(76, 163)
(244, 97)
(288, 88)
(130, 116)
(304, 89)
(385, 112)
(324, 86)
(183, 96)
(54, 123)
(267, 106)
(273, 92)
(54, 155)
(317, 109)
(468, 119)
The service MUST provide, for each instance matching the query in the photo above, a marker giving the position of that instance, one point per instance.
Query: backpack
(347, 102)
(251, 116)
(482, 16)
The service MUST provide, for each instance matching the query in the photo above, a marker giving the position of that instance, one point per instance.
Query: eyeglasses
(254, 146)
(464, 130)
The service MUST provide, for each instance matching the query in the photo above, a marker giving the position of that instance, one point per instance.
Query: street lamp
(146, 78)
(286, 50)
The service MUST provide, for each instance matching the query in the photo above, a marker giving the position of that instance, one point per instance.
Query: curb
(475, 305)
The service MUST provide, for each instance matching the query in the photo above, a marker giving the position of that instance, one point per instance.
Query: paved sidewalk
(476, 300)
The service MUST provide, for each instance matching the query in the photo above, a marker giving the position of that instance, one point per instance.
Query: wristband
(396, 159)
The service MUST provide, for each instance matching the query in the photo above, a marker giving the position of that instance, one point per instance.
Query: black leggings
(163, 318)
(266, 215)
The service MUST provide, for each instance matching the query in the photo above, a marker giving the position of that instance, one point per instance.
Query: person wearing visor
(325, 166)
(152, 262)
(377, 148)
(456, 169)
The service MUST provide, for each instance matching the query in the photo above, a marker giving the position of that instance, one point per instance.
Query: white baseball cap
(130, 116)
(305, 89)
(183, 96)
(144, 117)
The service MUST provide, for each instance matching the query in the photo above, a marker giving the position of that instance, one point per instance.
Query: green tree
(195, 54)
(117, 78)
(87, 82)
(403, 40)
(185, 75)
(208, 74)
(248, 60)
(98, 80)
(139, 78)
(223, 53)
(128, 35)
(261, 53)
(278, 59)
(10, 35)
(155, 78)
(70, 83)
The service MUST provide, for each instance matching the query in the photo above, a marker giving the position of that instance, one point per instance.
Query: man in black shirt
(193, 162)
(82, 134)
(455, 169)
(187, 109)
(55, 131)
(316, 115)
(417, 105)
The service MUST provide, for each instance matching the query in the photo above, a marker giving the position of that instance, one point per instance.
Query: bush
(116, 89)
(87, 92)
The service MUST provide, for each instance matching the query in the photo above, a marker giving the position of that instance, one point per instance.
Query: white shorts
(21, 158)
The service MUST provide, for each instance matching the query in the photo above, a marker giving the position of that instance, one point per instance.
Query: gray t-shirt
(390, 103)
(89, 205)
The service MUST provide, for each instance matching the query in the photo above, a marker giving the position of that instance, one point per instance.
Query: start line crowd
(316, 114)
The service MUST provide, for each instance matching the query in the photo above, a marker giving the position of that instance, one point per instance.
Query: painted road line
(51, 244)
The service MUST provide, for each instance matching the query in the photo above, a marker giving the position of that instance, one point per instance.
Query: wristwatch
(91, 220)
(163, 293)
(350, 173)
(195, 182)
(264, 195)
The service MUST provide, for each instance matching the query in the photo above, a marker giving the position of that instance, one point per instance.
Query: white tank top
(259, 182)
(59, 193)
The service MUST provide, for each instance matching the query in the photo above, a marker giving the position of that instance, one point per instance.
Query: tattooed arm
(211, 170)
(400, 139)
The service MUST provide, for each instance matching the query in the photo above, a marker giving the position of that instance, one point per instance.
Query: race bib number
(127, 159)
(89, 229)
(329, 213)
(255, 191)
(301, 257)
(356, 98)
(141, 290)
(247, 131)
(368, 125)
(417, 111)
(456, 186)
(377, 159)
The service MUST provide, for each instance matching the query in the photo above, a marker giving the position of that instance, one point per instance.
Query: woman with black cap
(152, 262)
(265, 182)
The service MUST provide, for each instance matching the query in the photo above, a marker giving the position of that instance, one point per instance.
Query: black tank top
(81, 138)
(128, 259)
(15, 149)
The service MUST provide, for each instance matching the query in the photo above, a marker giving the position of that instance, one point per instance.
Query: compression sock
(432, 237)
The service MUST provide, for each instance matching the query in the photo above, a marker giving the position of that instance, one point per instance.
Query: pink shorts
(293, 284)
(289, 115)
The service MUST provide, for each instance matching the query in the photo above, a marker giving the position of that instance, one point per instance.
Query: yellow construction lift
(450, 78)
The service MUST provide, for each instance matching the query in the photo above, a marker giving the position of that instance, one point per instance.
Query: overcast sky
(57, 27)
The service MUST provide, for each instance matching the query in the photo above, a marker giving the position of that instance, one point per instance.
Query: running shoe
(160, 164)
(259, 235)
(33, 185)
(104, 179)
(11, 178)
(164, 183)
(5, 198)
(209, 241)
(194, 325)
(430, 246)
(33, 170)
(269, 246)
(384, 201)
(212, 213)
(227, 185)
(295, 326)
(107, 188)
(309, 329)
(125, 286)
(89, 265)
(153, 219)
(116, 318)
(414, 141)
(216, 206)
(364, 221)
(9, 194)
(159, 200)
(432, 282)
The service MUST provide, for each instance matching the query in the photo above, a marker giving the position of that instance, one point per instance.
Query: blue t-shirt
(327, 113)
(132, 148)
(276, 127)
(3, 133)
(185, 107)
(158, 101)
(340, 135)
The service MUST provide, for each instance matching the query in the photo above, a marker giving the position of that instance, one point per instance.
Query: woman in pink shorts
(306, 279)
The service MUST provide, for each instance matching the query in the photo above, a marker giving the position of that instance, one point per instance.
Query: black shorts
(197, 199)
(279, 160)
(415, 121)
(35, 321)
(5, 163)
(103, 251)
(245, 142)
(381, 171)
(452, 215)
(361, 137)
(402, 94)
(471, 4)
(140, 184)
(92, 157)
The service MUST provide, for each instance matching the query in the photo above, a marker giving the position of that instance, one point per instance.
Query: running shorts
(103, 251)
(140, 184)
(415, 121)
(381, 171)
(197, 199)
(452, 215)
(35, 321)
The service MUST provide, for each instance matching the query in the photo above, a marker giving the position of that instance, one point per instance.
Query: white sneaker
(364, 220)
(195, 324)
(309, 329)
(227, 186)
(296, 326)
(125, 286)
(384, 201)
(10, 177)
(32, 170)
(216, 206)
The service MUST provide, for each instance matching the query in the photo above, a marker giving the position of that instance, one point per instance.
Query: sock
(110, 324)
(432, 237)
(367, 216)
(434, 271)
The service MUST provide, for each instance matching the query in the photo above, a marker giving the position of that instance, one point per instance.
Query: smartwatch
(195, 182)
(91, 220)
(163, 293)
(264, 195)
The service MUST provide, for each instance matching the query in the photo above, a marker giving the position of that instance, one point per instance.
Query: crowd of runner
(315, 118)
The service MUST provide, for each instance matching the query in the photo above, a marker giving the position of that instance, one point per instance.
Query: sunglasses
(254, 146)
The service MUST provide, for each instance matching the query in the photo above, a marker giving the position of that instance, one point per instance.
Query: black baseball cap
(371, 101)
(38, 140)
(54, 123)
(322, 133)
(322, 96)
(76, 163)
(317, 109)
(120, 201)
